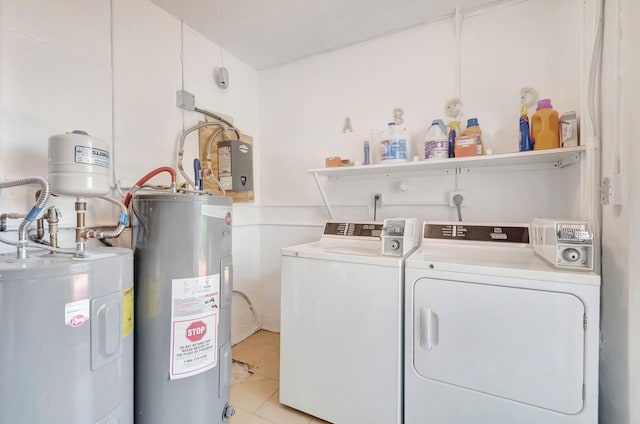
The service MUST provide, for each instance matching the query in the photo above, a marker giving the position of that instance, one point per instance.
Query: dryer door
(519, 344)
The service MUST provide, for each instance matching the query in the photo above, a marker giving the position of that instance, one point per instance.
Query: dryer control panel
(564, 243)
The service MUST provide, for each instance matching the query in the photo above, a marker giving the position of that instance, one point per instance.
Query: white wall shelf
(558, 158)
(553, 157)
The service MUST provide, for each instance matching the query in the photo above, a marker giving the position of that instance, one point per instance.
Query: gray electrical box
(235, 165)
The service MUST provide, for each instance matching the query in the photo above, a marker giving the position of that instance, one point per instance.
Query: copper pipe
(81, 210)
(5, 216)
(40, 228)
(52, 220)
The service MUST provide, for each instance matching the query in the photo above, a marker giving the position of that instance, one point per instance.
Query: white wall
(620, 368)
(57, 74)
(303, 106)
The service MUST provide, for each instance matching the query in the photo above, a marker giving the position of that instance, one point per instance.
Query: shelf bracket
(562, 163)
(323, 196)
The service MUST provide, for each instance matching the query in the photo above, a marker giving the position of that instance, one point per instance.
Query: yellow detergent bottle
(545, 129)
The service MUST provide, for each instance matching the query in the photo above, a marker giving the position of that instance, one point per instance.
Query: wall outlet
(377, 200)
(452, 195)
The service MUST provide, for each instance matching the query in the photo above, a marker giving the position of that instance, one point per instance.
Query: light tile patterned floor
(254, 389)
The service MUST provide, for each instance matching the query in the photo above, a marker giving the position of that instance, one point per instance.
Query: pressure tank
(79, 165)
(184, 273)
(66, 355)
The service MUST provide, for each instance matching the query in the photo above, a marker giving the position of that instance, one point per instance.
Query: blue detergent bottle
(454, 127)
(526, 142)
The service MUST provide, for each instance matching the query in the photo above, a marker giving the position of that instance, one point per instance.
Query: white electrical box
(400, 236)
(563, 243)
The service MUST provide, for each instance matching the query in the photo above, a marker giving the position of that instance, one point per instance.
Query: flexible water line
(181, 150)
(123, 221)
(251, 308)
(45, 191)
(146, 178)
(457, 200)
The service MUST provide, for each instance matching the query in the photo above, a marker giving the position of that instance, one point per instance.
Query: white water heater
(79, 165)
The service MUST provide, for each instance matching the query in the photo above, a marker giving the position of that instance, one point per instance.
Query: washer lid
(344, 250)
(345, 241)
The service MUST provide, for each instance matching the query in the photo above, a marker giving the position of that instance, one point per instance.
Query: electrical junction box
(235, 165)
(564, 244)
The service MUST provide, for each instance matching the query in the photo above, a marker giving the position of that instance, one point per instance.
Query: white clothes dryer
(341, 327)
(496, 335)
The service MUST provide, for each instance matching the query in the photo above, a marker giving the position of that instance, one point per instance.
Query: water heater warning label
(194, 325)
(77, 313)
(127, 312)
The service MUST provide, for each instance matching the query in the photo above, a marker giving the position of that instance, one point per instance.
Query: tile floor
(254, 386)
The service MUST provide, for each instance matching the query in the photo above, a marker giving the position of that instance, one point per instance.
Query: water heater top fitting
(79, 165)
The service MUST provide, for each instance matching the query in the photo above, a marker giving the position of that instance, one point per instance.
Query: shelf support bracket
(563, 163)
(323, 195)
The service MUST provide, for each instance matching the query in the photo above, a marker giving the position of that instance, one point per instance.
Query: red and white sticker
(216, 211)
(77, 313)
(194, 325)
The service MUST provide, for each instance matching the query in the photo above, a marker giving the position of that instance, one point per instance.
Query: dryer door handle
(429, 328)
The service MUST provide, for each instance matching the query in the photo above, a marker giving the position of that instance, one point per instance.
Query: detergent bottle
(545, 126)
(526, 143)
(454, 129)
(436, 142)
(393, 147)
(469, 142)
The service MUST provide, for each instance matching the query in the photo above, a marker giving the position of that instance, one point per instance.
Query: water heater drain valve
(229, 411)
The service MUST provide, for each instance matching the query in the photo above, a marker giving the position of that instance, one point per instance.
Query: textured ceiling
(265, 33)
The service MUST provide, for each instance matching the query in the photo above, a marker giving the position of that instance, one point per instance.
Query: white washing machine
(341, 327)
(496, 335)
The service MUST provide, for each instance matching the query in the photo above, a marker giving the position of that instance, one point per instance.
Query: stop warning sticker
(194, 325)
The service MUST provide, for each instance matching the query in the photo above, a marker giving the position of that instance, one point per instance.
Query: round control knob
(394, 245)
(571, 255)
